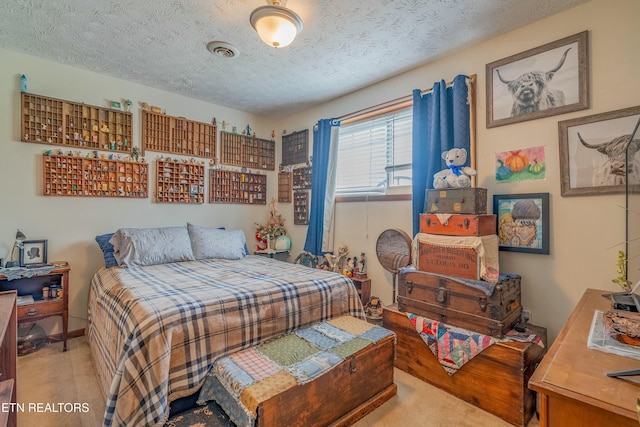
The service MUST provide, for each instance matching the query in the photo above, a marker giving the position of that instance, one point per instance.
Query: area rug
(210, 415)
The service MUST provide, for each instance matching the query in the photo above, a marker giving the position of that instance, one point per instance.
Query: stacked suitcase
(446, 285)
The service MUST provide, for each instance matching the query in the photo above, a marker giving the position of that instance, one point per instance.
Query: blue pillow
(246, 249)
(107, 250)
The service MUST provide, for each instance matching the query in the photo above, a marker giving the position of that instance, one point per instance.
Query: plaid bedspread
(155, 331)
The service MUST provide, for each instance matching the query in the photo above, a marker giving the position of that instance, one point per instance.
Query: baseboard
(70, 334)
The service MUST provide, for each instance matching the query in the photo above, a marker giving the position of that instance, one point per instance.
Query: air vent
(223, 49)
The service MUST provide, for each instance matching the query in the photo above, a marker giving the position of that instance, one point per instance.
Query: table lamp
(20, 237)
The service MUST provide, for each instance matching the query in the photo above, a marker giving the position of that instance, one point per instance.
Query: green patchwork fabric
(288, 350)
(350, 347)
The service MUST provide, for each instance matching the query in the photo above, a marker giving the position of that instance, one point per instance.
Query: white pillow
(151, 246)
(216, 242)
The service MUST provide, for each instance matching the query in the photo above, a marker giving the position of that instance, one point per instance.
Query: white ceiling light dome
(276, 25)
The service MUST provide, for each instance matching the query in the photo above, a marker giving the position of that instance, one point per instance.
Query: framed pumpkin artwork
(521, 164)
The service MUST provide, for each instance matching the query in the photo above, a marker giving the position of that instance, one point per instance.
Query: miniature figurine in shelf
(214, 122)
(145, 106)
(254, 134)
(60, 153)
(135, 154)
(234, 129)
(224, 125)
(362, 263)
(127, 105)
(248, 130)
(104, 128)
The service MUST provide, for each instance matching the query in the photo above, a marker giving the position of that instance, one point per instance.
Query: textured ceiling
(345, 44)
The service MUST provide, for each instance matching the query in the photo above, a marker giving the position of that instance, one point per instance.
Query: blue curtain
(322, 185)
(440, 122)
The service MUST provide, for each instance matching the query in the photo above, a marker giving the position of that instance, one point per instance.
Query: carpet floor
(49, 377)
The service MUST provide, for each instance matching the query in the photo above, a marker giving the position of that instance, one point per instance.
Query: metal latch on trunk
(409, 286)
(483, 304)
(442, 296)
(352, 365)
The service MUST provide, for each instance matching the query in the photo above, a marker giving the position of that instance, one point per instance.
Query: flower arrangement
(274, 226)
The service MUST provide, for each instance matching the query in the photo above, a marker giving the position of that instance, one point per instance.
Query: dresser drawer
(40, 309)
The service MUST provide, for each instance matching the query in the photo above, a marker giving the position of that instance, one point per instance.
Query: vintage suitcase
(495, 380)
(458, 224)
(491, 309)
(457, 200)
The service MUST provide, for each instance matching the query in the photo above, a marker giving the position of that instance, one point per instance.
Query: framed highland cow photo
(541, 82)
(597, 152)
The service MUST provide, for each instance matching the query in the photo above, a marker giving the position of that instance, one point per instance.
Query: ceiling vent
(223, 49)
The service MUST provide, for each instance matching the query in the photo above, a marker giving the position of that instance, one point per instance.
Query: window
(375, 154)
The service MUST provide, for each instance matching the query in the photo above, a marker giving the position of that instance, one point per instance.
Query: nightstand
(280, 255)
(42, 307)
(363, 285)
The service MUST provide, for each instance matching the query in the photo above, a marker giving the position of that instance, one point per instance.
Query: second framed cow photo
(544, 81)
(598, 152)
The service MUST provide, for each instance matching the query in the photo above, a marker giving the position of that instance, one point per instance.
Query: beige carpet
(50, 376)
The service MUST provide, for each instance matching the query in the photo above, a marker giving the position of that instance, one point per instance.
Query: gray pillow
(151, 246)
(216, 243)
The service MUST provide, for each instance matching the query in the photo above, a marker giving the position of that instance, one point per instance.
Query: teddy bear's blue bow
(456, 169)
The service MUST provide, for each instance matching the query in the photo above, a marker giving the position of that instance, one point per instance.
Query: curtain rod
(385, 107)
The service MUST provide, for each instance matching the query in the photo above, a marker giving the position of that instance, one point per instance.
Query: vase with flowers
(273, 228)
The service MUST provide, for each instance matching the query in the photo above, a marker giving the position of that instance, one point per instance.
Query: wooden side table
(572, 378)
(364, 288)
(42, 307)
(272, 253)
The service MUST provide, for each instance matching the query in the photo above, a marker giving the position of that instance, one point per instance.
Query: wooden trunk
(339, 397)
(461, 303)
(457, 200)
(459, 225)
(495, 380)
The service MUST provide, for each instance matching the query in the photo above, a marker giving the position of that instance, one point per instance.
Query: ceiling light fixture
(276, 25)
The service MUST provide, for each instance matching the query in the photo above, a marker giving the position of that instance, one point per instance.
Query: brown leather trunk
(457, 200)
(495, 380)
(339, 397)
(463, 303)
(459, 225)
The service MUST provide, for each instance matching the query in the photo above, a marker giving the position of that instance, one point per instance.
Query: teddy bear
(455, 175)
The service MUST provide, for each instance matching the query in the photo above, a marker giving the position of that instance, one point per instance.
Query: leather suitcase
(458, 224)
(490, 309)
(457, 200)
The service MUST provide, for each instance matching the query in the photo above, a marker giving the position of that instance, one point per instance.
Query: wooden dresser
(8, 355)
(572, 379)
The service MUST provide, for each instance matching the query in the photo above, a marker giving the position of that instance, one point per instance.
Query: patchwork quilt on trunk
(241, 381)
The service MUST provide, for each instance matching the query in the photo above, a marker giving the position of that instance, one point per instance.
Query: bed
(155, 330)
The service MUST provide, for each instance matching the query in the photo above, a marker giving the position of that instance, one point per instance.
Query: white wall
(584, 230)
(70, 223)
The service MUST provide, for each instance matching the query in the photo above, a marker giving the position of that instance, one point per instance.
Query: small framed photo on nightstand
(33, 253)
